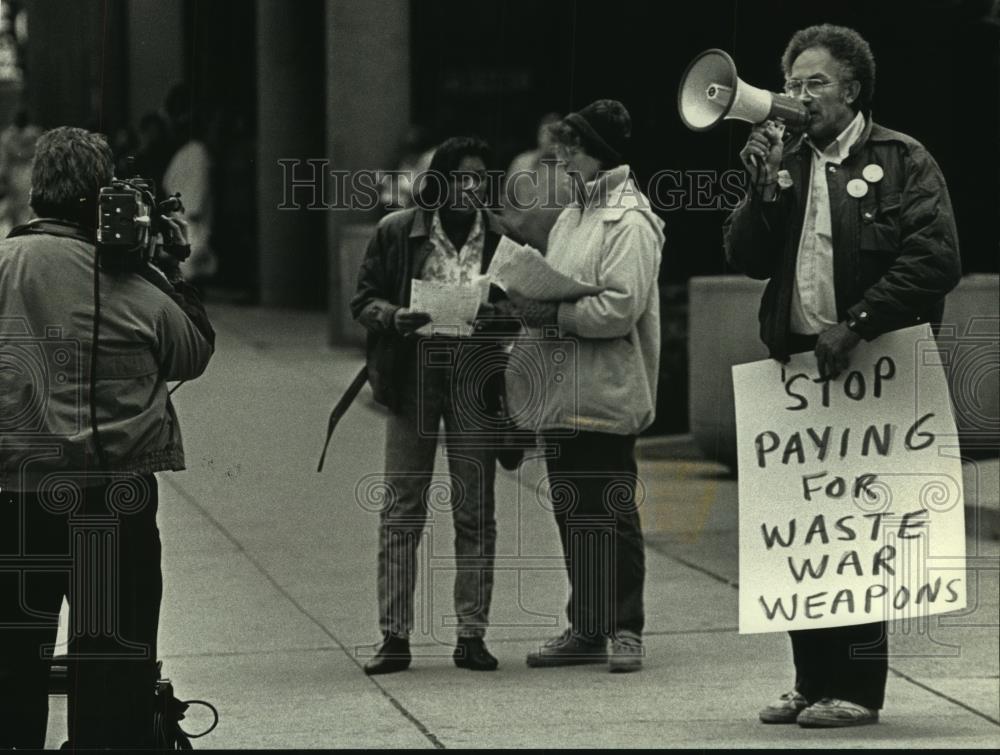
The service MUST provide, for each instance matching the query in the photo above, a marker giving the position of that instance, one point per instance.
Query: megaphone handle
(755, 159)
(758, 182)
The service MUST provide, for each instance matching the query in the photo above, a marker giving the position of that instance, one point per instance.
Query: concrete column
(290, 127)
(155, 48)
(368, 111)
(75, 63)
(722, 331)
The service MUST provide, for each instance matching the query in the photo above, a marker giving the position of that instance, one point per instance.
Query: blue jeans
(432, 393)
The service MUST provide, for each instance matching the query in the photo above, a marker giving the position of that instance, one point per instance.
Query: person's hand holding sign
(833, 349)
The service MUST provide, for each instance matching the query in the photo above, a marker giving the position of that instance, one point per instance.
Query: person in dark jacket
(852, 227)
(449, 239)
(84, 425)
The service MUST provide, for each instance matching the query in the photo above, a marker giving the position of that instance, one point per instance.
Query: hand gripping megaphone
(711, 92)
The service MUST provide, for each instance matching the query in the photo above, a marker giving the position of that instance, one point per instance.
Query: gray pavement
(269, 600)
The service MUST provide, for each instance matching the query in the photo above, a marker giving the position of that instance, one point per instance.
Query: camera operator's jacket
(46, 329)
(895, 249)
(597, 370)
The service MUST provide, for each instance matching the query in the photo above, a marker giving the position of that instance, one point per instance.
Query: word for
(837, 487)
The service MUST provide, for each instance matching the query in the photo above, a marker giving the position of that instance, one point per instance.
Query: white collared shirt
(814, 301)
(459, 267)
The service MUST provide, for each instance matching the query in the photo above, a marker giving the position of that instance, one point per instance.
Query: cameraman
(80, 441)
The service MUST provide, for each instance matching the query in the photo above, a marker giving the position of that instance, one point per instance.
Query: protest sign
(850, 490)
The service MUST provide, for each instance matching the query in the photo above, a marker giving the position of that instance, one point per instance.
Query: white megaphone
(710, 92)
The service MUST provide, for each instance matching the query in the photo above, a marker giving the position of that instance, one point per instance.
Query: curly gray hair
(846, 46)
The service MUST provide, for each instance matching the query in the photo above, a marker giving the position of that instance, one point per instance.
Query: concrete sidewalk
(269, 601)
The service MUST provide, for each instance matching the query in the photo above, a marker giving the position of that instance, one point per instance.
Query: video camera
(129, 215)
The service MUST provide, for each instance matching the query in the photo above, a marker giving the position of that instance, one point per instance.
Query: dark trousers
(592, 481)
(847, 663)
(100, 549)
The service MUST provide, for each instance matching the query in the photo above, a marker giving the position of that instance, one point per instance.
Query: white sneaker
(626, 653)
(830, 712)
(784, 710)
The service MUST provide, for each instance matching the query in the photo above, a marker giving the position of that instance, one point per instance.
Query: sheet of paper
(452, 308)
(523, 270)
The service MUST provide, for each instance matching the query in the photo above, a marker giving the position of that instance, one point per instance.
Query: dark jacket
(46, 328)
(895, 250)
(395, 255)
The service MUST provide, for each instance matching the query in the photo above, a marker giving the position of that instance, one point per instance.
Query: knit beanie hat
(604, 127)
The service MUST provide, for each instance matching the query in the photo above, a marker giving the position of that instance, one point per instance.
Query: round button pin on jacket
(784, 179)
(873, 173)
(857, 188)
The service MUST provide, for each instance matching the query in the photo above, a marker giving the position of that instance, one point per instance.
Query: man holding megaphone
(851, 225)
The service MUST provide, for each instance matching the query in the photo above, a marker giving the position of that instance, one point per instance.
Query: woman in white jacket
(592, 387)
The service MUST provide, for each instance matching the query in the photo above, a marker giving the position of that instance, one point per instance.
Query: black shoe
(392, 656)
(569, 649)
(471, 653)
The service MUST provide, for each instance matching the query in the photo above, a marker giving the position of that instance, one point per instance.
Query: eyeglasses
(811, 87)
